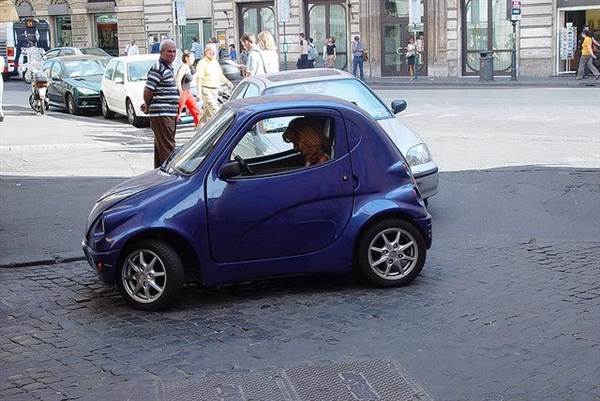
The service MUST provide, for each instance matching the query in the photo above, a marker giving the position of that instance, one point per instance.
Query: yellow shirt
(585, 47)
(209, 73)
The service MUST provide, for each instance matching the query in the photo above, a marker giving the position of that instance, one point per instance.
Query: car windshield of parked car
(195, 151)
(351, 90)
(84, 68)
(138, 70)
(93, 51)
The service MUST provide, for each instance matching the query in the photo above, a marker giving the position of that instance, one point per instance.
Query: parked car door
(280, 212)
(57, 84)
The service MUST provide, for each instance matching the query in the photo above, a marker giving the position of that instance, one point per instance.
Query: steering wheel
(243, 165)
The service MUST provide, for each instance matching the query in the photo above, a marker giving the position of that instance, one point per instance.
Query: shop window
(258, 17)
(325, 20)
(108, 37)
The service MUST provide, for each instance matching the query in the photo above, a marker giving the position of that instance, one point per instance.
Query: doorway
(326, 20)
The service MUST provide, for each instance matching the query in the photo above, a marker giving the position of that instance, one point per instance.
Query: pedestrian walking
(331, 52)
(255, 63)
(161, 101)
(131, 49)
(303, 57)
(215, 44)
(209, 78)
(358, 50)
(268, 48)
(196, 50)
(587, 56)
(232, 52)
(184, 80)
(411, 53)
(313, 53)
(155, 46)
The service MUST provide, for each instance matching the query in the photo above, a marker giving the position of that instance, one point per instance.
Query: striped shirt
(165, 98)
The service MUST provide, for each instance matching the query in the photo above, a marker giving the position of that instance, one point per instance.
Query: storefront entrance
(396, 32)
(326, 20)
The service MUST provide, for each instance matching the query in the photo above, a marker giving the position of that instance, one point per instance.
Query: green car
(75, 82)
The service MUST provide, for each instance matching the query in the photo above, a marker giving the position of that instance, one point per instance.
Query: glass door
(325, 20)
(395, 40)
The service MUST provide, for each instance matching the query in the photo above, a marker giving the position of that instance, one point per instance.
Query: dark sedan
(75, 82)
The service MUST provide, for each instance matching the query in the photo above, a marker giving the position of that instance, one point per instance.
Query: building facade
(450, 34)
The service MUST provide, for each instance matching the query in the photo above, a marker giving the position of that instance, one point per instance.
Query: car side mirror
(119, 80)
(398, 105)
(230, 170)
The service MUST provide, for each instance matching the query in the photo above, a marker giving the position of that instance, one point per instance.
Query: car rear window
(351, 90)
(138, 70)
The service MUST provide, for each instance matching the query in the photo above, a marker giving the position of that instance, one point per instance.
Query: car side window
(282, 144)
(119, 71)
(55, 71)
(67, 52)
(245, 90)
(110, 69)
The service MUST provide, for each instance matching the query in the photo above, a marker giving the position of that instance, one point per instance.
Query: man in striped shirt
(161, 102)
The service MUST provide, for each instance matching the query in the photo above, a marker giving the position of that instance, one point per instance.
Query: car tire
(151, 275)
(71, 105)
(106, 112)
(131, 116)
(27, 76)
(391, 253)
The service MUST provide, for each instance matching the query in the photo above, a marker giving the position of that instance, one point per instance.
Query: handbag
(365, 56)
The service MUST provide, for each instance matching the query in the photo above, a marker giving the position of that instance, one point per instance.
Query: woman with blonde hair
(307, 137)
(266, 42)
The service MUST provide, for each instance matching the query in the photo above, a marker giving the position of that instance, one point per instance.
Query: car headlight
(418, 154)
(87, 91)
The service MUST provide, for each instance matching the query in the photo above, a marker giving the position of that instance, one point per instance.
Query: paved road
(506, 308)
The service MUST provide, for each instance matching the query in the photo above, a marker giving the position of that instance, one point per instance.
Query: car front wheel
(391, 253)
(71, 105)
(150, 277)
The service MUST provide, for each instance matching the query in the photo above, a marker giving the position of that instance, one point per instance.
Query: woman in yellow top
(587, 56)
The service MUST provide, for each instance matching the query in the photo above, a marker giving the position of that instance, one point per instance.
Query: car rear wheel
(71, 105)
(28, 76)
(131, 116)
(391, 253)
(106, 112)
(150, 277)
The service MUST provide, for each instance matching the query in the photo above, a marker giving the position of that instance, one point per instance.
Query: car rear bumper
(428, 182)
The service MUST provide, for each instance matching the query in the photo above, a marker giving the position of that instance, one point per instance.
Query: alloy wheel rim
(144, 276)
(393, 254)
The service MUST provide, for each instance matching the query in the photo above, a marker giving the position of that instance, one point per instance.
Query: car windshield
(195, 151)
(351, 90)
(94, 51)
(138, 70)
(84, 68)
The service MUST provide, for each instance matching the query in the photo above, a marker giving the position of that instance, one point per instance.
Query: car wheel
(150, 277)
(131, 116)
(106, 112)
(27, 76)
(391, 253)
(71, 106)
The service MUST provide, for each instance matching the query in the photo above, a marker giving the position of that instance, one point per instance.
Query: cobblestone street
(519, 321)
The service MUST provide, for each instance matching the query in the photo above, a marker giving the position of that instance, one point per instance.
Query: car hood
(151, 181)
(401, 135)
(91, 82)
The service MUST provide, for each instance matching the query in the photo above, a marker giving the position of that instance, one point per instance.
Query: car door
(113, 83)
(283, 212)
(57, 85)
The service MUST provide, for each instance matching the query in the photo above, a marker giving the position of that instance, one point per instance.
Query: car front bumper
(103, 263)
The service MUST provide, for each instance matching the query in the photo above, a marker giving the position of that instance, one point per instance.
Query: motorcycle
(37, 99)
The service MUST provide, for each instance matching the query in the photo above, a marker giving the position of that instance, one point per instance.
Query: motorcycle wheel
(42, 106)
(34, 104)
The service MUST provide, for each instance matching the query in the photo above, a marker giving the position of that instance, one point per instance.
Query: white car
(122, 87)
(332, 82)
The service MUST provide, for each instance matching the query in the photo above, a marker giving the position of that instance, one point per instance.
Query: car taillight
(10, 51)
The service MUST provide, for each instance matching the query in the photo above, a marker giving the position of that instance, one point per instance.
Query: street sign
(284, 10)
(515, 11)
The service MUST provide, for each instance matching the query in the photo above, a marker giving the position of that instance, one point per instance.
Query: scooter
(39, 86)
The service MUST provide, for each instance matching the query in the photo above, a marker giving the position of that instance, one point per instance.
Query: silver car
(332, 82)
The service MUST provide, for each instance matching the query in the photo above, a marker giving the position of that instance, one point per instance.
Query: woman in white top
(269, 50)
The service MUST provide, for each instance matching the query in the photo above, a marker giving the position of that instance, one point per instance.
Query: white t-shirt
(271, 60)
(132, 50)
(254, 64)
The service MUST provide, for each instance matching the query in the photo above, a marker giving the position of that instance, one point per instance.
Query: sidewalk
(557, 81)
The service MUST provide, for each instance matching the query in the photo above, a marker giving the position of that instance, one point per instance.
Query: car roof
(299, 76)
(284, 102)
(77, 57)
(138, 57)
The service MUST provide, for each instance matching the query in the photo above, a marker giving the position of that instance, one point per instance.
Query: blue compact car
(271, 186)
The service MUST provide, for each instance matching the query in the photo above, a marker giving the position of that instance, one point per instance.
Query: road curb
(40, 260)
